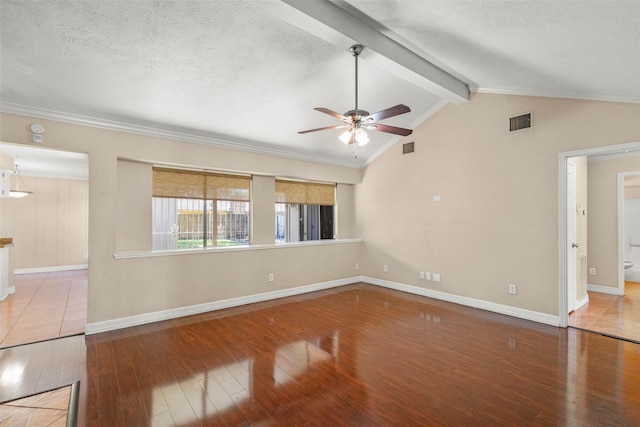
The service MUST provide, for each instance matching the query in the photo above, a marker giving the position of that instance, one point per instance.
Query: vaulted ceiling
(247, 74)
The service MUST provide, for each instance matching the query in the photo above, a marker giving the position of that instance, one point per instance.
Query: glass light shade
(18, 193)
(345, 137)
(362, 138)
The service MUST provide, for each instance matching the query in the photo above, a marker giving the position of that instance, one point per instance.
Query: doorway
(49, 228)
(601, 297)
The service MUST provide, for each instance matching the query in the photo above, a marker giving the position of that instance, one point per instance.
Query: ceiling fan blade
(331, 113)
(389, 112)
(324, 128)
(389, 129)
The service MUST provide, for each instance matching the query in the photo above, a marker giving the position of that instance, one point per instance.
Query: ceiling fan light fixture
(358, 120)
(361, 137)
(345, 137)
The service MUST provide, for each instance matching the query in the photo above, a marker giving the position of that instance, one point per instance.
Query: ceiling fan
(357, 121)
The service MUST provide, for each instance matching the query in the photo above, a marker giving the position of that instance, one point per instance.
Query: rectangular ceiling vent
(407, 148)
(520, 122)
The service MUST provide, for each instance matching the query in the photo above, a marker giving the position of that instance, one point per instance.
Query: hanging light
(18, 192)
(361, 137)
(346, 137)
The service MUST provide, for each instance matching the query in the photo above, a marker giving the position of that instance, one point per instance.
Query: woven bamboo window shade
(305, 193)
(200, 185)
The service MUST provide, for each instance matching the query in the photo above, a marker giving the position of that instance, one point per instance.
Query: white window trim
(238, 248)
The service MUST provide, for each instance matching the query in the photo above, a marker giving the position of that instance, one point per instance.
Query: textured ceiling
(247, 74)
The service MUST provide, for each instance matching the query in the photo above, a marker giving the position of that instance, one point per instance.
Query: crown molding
(174, 135)
(595, 96)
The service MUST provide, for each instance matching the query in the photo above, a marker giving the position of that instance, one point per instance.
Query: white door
(571, 235)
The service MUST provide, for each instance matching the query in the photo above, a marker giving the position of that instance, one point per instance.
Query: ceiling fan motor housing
(355, 116)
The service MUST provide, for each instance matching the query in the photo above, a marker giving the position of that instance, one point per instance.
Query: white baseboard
(521, 313)
(50, 269)
(10, 291)
(604, 289)
(141, 319)
(582, 302)
(174, 313)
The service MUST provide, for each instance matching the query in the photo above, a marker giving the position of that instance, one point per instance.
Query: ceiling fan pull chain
(354, 145)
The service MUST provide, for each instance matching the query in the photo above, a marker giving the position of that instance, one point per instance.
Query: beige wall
(49, 227)
(263, 209)
(497, 221)
(133, 227)
(345, 203)
(603, 218)
(128, 287)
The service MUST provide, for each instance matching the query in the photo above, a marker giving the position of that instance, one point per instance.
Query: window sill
(239, 248)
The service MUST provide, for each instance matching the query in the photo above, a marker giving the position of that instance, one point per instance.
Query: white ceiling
(43, 163)
(247, 74)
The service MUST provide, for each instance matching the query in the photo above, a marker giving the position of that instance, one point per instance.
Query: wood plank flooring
(355, 355)
(44, 306)
(613, 315)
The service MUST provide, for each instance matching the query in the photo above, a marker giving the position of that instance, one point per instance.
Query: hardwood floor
(45, 306)
(617, 316)
(355, 355)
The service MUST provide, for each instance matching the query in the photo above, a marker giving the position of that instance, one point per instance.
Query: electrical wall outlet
(422, 274)
(592, 271)
(385, 268)
(436, 277)
(272, 277)
(427, 275)
(357, 266)
(513, 289)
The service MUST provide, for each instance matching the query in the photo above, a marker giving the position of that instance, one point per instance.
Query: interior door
(571, 236)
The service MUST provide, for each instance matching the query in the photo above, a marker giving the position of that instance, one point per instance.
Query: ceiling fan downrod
(356, 50)
(356, 115)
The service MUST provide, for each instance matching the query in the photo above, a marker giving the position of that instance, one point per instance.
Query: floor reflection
(358, 355)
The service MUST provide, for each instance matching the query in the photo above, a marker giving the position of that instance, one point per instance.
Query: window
(198, 209)
(304, 211)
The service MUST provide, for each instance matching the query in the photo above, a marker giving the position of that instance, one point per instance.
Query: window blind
(200, 185)
(305, 193)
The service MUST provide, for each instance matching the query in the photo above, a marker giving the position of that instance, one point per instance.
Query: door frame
(612, 152)
(572, 262)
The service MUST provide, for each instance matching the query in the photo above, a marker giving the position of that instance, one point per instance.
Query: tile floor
(44, 306)
(613, 315)
(45, 409)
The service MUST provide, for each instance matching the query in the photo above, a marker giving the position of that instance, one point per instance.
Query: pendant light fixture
(20, 191)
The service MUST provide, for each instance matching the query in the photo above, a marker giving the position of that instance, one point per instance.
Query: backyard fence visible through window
(198, 209)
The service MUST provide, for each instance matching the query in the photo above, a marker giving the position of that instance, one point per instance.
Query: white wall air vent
(407, 148)
(520, 122)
